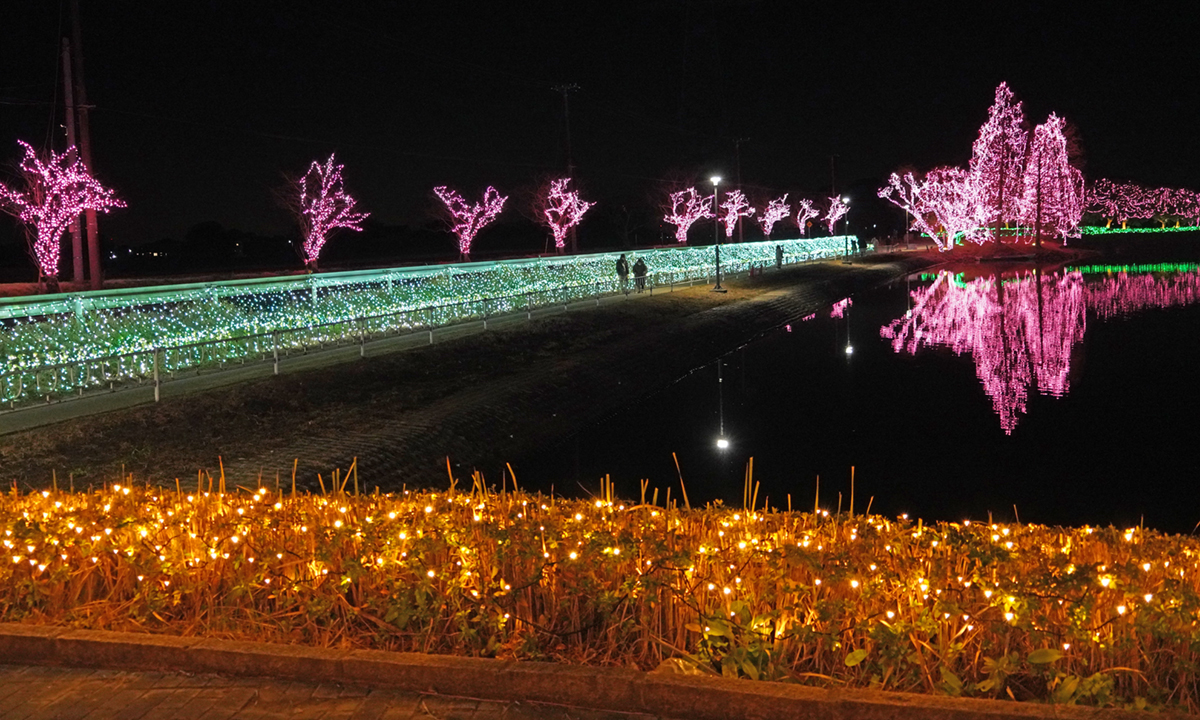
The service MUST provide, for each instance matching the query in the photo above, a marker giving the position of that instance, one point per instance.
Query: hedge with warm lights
(1074, 615)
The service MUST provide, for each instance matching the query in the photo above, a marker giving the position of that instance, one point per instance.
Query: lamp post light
(716, 180)
(722, 441)
(846, 229)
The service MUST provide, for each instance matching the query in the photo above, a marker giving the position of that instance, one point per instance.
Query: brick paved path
(40, 693)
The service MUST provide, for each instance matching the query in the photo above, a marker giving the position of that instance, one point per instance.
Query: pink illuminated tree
(1120, 201)
(323, 207)
(1104, 199)
(1054, 194)
(686, 207)
(997, 160)
(776, 210)
(735, 206)
(57, 189)
(561, 209)
(837, 210)
(953, 202)
(467, 220)
(806, 210)
(905, 192)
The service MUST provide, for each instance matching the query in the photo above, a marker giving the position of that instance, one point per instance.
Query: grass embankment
(1091, 615)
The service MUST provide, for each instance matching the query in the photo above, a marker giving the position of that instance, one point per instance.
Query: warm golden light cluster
(1097, 615)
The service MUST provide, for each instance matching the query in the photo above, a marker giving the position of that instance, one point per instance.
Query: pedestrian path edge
(597, 688)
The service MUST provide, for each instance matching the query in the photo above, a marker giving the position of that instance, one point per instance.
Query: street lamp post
(846, 229)
(716, 180)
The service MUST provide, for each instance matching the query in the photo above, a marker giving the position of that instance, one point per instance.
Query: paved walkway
(482, 400)
(41, 693)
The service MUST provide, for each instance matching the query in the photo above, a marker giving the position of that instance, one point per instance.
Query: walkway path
(481, 400)
(45, 693)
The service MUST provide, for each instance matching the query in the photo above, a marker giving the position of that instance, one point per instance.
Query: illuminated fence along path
(1020, 332)
(56, 346)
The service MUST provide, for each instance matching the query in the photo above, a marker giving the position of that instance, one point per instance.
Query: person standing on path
(623, 273)
(639, 274)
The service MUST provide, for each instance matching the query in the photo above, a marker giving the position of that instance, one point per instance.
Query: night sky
(199, 107)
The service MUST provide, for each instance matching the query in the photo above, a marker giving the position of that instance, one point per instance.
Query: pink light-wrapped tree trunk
(686, 207)
(324, 207)
(466, 220)
(57, 189)
(562, 210)
(775, 211)
(735, 206)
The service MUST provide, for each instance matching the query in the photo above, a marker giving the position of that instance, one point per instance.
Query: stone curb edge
(606, 689)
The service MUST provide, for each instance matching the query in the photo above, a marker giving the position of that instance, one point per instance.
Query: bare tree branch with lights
(57, 188)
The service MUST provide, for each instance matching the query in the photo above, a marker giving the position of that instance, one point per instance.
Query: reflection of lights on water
(722, 444)
(1021, 332)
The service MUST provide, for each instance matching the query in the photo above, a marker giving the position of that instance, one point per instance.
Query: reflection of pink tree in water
(1021, 332)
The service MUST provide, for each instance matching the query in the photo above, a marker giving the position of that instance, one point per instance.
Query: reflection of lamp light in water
(722, 441)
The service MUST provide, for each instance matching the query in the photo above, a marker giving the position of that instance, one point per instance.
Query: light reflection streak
(1021, 331)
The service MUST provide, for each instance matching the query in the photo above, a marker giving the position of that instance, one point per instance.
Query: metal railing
(154, 366)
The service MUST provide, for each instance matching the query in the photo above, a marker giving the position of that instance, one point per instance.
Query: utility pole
(737, 157)
(566, 90)
(85, 145)
(69, 97)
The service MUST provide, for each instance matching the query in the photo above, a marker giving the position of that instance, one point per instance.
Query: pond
(1053, 395)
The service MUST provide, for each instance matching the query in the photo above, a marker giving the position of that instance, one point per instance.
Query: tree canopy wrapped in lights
(1053, 194)
(467, 220)
(1122, 201)
(806, 210)
(837, 210)
(1015, 176)
(735, 206)
(776, 210)
(998, 159)
(905, 192)
(686, 207)
(562, 209)
(323, 207)
(57, 189)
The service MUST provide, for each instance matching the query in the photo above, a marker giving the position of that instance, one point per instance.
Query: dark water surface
(1070, 394)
